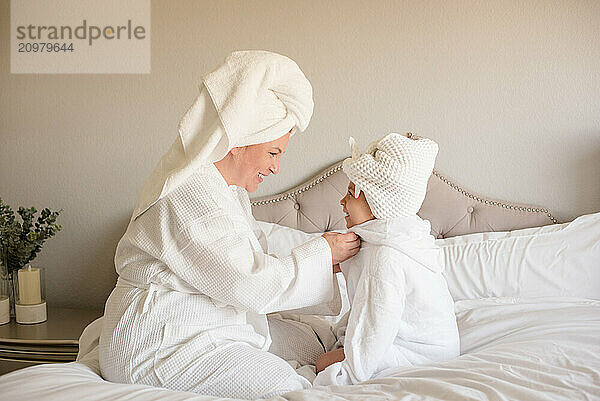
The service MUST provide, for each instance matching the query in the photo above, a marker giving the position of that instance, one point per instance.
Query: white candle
(30, 292)
(4, 309)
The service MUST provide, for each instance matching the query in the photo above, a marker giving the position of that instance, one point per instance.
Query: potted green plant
(20, 242)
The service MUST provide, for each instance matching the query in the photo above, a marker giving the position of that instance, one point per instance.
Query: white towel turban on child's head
(393, 173)
(255, 97)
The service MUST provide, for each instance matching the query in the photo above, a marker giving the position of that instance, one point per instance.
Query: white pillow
(554, 260)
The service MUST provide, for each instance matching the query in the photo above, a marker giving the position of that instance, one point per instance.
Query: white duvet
(513, 349)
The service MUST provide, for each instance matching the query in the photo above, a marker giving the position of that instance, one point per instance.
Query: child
(402, 313)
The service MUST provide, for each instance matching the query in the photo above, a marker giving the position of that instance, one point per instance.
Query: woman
(195, 277)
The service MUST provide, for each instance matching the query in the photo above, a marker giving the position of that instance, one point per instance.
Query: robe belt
(150, 288)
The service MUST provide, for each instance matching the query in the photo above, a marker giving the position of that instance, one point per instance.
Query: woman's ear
(236, 151)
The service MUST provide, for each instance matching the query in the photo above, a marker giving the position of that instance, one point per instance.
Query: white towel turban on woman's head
(255, 97)
(393, 173)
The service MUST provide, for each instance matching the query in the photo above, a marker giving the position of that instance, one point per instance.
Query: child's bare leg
(329, 358)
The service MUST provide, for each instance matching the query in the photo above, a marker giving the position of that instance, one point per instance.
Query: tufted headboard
(314, 207)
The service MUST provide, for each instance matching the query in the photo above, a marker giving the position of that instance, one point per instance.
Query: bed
(527, 302)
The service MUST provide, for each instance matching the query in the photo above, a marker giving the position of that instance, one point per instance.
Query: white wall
(510, 90)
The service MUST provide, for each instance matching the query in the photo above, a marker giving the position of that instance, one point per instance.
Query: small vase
(7, 300)
(30, 295)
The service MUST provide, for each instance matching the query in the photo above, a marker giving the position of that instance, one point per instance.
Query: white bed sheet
(513, 349)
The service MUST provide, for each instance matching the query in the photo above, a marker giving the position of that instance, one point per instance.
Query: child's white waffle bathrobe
(402, 313)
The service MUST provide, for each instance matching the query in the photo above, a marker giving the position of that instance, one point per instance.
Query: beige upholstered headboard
(314, 207)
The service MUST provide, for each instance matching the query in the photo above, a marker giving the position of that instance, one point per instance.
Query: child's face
(357, 210)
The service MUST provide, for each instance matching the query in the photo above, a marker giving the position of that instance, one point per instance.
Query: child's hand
(329, 358)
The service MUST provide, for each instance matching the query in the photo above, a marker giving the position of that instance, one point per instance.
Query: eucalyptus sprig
(21, 242)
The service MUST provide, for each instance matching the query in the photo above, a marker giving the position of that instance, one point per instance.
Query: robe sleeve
(373, 323)
(330, 308)
(281, 240)
(222, 258)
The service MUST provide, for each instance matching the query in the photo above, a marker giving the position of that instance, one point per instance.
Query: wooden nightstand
(55, 340)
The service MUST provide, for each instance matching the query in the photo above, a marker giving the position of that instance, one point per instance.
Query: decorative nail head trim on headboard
(314, 182)
(494, 203)
(337, 167)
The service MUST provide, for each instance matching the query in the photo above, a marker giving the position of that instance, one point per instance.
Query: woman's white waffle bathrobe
(195, 282)
(401, 312)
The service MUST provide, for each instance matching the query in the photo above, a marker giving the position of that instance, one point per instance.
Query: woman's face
(253, 162)
(356, 210)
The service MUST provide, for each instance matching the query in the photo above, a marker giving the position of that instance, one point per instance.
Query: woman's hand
(329, 358)
(343, 246)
